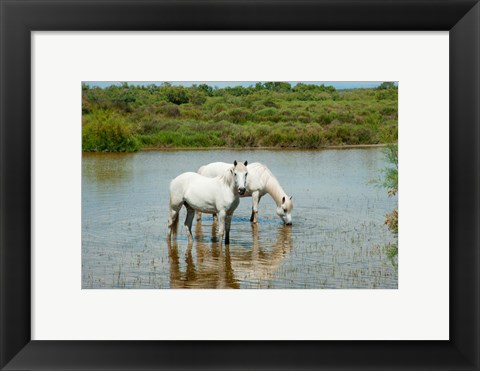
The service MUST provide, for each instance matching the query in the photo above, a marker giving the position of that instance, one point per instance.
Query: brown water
(337, 239)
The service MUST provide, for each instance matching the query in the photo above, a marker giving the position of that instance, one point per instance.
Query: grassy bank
(129, 118)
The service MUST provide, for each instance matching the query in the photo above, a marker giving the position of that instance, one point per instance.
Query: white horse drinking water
(260, 182)
(218, 195)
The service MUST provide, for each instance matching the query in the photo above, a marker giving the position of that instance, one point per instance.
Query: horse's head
(284, 211)
(239, 173)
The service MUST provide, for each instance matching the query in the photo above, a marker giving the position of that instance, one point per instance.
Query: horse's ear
(245, 163)
(291, 197)
(235, 163)
(231, 170)
(283, 200)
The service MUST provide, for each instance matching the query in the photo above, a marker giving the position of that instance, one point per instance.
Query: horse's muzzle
(241, 191)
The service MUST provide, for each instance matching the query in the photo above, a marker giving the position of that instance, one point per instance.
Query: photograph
(239, 184)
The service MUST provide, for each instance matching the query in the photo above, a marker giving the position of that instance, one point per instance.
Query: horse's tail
(175, 225)
(176, 194)
(172, 223)
(175, 205)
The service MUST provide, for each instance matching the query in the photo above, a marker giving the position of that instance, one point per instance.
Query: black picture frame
(18, 18)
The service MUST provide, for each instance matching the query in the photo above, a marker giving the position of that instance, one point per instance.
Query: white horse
(219, 195)
(260, 182)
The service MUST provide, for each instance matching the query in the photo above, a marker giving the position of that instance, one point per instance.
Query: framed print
(58, 310)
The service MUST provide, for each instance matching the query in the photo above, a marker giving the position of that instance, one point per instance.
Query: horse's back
(257, 167)
(182, 180)
(191, 179)
(214, 169)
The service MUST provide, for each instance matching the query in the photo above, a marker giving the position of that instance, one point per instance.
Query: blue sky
(222, 84)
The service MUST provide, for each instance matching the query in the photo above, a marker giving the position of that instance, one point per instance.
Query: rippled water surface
(337, 239)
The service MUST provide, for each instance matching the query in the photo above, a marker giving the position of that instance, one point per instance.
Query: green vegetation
(390, 182)
(272, 114)
(390, 173)
(106, 130)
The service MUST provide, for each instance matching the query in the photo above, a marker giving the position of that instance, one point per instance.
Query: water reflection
(212, 268)
(112, 167)
(261, 262)
(214, 265)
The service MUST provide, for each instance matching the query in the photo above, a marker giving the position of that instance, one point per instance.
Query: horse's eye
(235, 174)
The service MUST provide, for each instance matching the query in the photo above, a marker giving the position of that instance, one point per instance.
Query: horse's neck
(275, 190)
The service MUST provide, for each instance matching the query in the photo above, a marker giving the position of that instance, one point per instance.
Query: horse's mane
(264, 173)
(270, 182)
(227, 176)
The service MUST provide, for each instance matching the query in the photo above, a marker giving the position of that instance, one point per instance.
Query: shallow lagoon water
(337, 239)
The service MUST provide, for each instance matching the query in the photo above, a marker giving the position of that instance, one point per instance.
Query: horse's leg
(255, 200)
(228, 221)
(221, 222)
(189, 220)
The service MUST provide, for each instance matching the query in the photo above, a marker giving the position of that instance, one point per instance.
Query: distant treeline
(127, 117)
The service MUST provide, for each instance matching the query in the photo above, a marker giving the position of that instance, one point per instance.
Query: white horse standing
(260, 182)
(219, 195)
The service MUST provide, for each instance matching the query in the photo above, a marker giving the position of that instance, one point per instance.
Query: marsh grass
(391, 250)
(390, 182)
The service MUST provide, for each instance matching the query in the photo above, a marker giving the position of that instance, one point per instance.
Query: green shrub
(388, 111)
(106, 131)
(269, 103)
(176, 94)
(218, 108)
(198, 98)
(386, 85)
(238, 115)
(346, 134)
(191, 113)
(266, 114)
(389, 94)
(171, 110)
(326, 118)
(365, 135)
